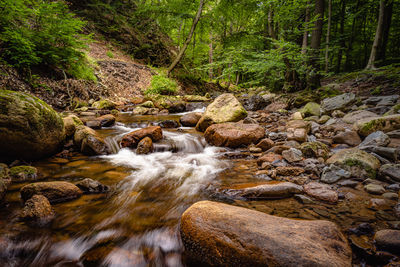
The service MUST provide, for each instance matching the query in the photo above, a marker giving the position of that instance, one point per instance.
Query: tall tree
(189, 38)
(378, 37)
(328, 34)
(305, 34)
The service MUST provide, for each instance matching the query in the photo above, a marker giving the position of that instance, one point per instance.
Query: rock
(388, 100)
(374, 189)
(145, 146)
(196, 98)
(378, 138)
(269, 157)
(234, 135)
(70, 124)
(332, 173)
(289, 171)
(169, 124)
(350, 138)
(292, 155)
(390, 196)
(358, 115)
(104, 104)
(265, 144)
(385, 152)
(256, 102)
(299, 124)
(323, 119)
(140, 110)
(148, 104)
(216, 234)
(311, 109)
(20, 174)
(388, 240)
(106, 120)
(90, 186)
(338, 114)
(88, 141)
(54, 191)
(297, 116)
(390, 170)
(321, 191)
(314, 150)
(3, 189)
(297, 135)
(396, 209)
(340, 102)
(254, 149)
(225, 108)
(37, 210)
(94, 124)
(190, 119)
(276, 106)
(132, 139)
(369, 125)
(356, 161)
(271, 191)
(29, 128)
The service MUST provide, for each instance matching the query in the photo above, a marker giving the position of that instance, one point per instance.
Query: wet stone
(37, 210)
(292, 155)
(321, 191)
(388, 240)
(333, 173)
(91, 186)
(374, 189)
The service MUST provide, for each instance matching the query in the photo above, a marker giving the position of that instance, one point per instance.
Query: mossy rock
(385, 124)
(311, 109)
(29, 128)
(195, 98)
(225, 108)
(70, 124)
(147, 104)
(315, 150)
(172, 103)
(358, 162)
(23, 173)
(104, 104)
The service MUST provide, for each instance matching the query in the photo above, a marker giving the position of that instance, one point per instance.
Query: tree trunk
(210, 56)
(342, 40)
(305, 34)
(378, 37)
(347, 65)
(271, 30)
(314, 76)
(328, 33)
(387, 21)
(185, 45)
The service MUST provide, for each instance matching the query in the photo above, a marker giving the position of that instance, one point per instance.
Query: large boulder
(358, 115)
(257, 102)
(340, 102)
(233, 135)
(89, 142)
(367, 126)
(358, 162)
(311, 109)
(217, 234)
(29, 128)
(225, 108)
(54, 191)
(23, 173)
(132, 139)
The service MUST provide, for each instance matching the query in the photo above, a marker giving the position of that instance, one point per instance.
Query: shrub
(162, 85)
(42, 33)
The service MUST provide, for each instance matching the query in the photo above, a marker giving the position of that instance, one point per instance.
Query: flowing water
(137, 222)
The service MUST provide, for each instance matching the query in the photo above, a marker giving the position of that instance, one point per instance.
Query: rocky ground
(335, 152)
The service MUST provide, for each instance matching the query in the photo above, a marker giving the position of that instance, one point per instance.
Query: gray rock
(391, 196)
(378, 138)
(391, 170)
(375, 189)
(388, 240)
(91, 186)
(396, 210)
(331, 174)
(389, 100)
(292, 155)
(350, 138)
(394, 134)
(272, 191)
(256, 102)
(355, 116)
(340, 102)
(348, 183)
(386, 152)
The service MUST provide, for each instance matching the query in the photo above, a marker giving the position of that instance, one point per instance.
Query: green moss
(353, 162)
(104, 104)
(27, 170)
(163, 85)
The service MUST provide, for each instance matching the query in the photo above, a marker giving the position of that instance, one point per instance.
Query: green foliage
(161, 84)
(42, 33)
(110, 54)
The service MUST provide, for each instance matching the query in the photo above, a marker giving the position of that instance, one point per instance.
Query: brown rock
(265, 144)
(388, 240)
(269, 157)
(321, 191)
(145, 146)
(217, 234)
(289, 171)
(106, 120)
(233, 135)
(273, 107)
(350, 138)
(272, 191)
(89, 142)
(38, 210)
(54, 191)
(190, 119)
(133, 138)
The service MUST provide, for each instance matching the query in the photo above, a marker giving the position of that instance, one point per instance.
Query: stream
(137, 222)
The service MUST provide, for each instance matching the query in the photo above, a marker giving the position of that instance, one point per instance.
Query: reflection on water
(136, 224)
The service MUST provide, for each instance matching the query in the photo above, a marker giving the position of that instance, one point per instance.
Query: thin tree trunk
(271, 30)
(342, 40)
(314, 76)
(386, 28)
(305, 34)
(378, 37)
(210, 56)
(347, 65)
(185, 45)
(328, 33)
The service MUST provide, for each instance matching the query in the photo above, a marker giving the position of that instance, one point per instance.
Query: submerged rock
(29, 128)
(23, 174)
(145, 146)
(37, 210)
(54, 191)
(225, 108)
(132, 139)
(169, 124)
(91, 186)
(321, 191)
(217, 234)
(271, 191)
(234, 134)
(190, 119)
